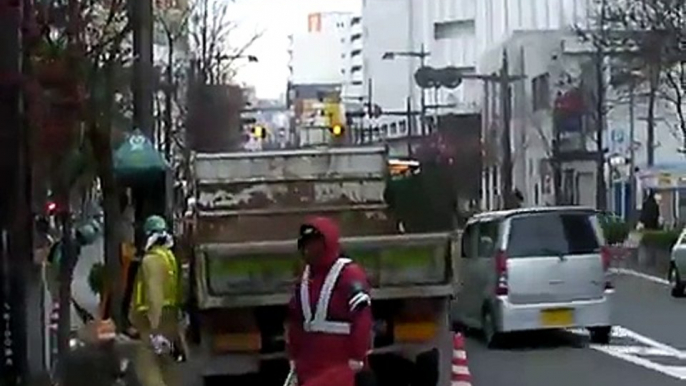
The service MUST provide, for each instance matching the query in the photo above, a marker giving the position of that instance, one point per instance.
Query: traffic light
(337, 130)
(51, 208)
(259, 132)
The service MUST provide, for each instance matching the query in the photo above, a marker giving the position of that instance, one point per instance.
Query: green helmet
(154, 224)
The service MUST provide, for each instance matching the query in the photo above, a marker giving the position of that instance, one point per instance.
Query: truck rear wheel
(426, 369)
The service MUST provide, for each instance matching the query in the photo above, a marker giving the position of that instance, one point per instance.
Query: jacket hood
(328, 228)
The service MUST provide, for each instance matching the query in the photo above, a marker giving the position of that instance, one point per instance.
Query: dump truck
(248, 210)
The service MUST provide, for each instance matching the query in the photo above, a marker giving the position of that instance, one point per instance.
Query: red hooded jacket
(316, 352)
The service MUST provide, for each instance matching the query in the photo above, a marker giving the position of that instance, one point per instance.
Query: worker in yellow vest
(155, 311)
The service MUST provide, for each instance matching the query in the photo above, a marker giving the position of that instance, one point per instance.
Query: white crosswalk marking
(640, 350)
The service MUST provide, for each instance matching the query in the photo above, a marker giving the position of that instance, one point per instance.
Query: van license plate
(557, 318)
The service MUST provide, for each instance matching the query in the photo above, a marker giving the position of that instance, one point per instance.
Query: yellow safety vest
(171, 285)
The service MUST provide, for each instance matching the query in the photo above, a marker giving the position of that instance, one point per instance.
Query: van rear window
(552, 234)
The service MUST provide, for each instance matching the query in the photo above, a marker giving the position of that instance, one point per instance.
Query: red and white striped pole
(460, 369)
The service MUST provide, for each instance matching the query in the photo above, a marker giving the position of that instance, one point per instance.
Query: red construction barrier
(460, 369)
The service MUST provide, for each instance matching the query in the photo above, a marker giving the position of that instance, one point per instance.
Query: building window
(356, 68)
(453, 29)
(540, 89)
(394, 129)
(402, 128)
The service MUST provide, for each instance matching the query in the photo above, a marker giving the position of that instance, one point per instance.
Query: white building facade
(328, 50)
(455, 33)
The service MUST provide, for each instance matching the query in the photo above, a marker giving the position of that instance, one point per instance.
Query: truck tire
(678, 286)
(427, 369)
(600, 335)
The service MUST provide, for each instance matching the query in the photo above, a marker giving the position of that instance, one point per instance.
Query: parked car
(535, 269)
(677, 266)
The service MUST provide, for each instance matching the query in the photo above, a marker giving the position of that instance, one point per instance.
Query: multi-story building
(329, 51)
(556, 101)
(454, 33)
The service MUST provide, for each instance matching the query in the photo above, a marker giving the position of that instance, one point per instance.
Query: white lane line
(626, 333)
(631, 272)
(651, 347)
(672, 371)
(642, 351)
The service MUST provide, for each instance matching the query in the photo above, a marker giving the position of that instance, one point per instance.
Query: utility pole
(632, 153)
(21, 354)
(13, 364)
(506, 166)
(408, 106)
(601, 191)
(169, 90)
(370, 110)
(141, 15)
(422, 62)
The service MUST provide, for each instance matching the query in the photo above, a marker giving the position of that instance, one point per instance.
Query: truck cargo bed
(263, 273)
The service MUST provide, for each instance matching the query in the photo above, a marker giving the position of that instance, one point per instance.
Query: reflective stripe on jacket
(319, 321)
(170, 282)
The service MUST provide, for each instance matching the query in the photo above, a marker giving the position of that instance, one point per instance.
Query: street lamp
(421, 55)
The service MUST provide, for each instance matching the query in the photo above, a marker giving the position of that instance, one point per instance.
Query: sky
(278, 19)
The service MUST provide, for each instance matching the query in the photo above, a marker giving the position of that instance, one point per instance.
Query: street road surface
(648, 347)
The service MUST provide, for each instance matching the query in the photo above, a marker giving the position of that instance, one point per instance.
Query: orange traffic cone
(460, 370)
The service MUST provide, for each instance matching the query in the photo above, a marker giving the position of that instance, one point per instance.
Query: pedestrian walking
(330, 318)
(155, 309)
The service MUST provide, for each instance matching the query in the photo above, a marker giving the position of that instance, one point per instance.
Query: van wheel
(678, 286)
(489, 328)
(600, 335)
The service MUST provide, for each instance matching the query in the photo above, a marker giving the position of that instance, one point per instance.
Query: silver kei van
(534, 269)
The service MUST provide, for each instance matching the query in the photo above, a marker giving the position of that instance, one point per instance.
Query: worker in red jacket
(330, 317)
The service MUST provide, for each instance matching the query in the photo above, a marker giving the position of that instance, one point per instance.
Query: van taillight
(606, 256)
(501, 273)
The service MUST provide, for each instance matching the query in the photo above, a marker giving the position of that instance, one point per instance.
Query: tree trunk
(101, 141)
(168, 95)
(654, 72)
(66, 273)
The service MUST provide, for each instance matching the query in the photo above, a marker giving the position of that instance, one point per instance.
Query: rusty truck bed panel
(273, 226)
(290, 194)
(251, 196)
(298, 165)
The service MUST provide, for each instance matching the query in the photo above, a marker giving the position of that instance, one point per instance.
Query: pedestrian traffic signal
(337, 130)
(259, 132)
